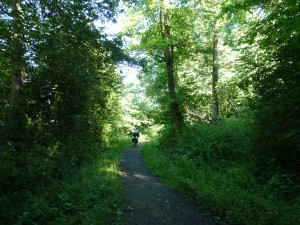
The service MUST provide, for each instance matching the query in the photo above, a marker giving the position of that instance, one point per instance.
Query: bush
(89, 195)
(213, 165)
(209, 143)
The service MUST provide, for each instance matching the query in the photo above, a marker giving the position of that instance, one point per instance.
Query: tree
(165, 29)
(59, 111)
(203, 53)
(270, 66)
(18, 55)
(14, 49)
(215, 74)
(164, 41)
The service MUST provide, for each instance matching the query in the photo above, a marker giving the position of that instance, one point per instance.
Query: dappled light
(213, 86)
(139, 176)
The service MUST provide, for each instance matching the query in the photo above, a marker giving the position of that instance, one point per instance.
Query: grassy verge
(227, 189)
(92, 196)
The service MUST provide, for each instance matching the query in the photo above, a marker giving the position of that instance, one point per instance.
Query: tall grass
(213, 165)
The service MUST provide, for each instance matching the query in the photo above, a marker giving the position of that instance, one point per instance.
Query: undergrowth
(91, 196)
(213, 165)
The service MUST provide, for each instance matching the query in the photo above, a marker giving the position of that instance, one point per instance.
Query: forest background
(218, 79)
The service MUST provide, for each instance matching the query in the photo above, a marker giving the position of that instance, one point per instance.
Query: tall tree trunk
(176, 113)
(215, 76)
(18, 57)
(16, 117)
(169, 60)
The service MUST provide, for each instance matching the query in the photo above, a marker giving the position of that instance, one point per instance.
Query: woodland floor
(150, 201)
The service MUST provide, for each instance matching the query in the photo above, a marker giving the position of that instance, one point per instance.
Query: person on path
(136, 133)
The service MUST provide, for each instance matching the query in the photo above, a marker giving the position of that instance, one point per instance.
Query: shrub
(213, 165)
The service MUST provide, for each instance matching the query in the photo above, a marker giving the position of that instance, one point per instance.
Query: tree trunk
(169, 60)
(16, 118)
(215, 77)
(18, 57)
(176, 113)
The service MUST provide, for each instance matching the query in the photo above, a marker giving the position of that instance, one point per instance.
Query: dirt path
(151, 202)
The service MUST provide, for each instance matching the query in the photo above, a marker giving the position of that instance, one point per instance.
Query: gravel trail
(150, 201)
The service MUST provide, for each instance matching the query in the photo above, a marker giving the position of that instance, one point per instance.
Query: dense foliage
(275, 80)
(54, 116)
(256, 74)
(220, 77)
(212, 165)
(232, 59)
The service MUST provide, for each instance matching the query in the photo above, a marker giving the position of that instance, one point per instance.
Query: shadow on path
(150, 201)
